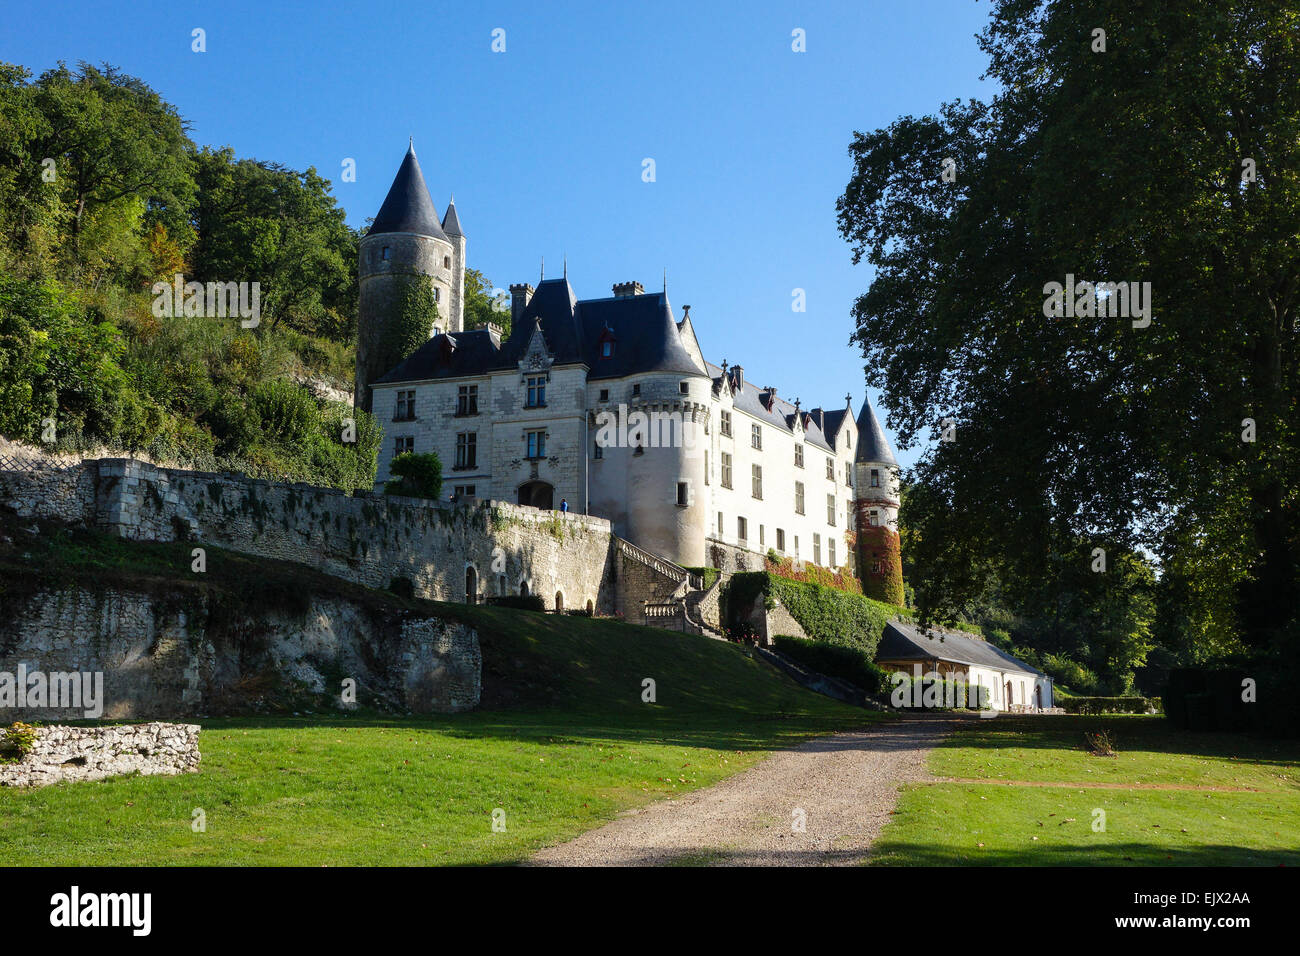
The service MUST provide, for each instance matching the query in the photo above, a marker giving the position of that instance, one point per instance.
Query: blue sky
(543, 144)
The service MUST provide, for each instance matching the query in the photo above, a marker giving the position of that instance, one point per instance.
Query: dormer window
(606, 350)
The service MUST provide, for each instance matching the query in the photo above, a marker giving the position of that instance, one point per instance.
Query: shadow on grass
(1132, 733)
(1119, 854)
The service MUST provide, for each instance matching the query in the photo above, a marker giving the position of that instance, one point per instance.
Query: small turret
(875, 511)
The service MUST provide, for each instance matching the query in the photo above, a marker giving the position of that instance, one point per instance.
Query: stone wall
(178, 654)
(367, 538)
(92, 753)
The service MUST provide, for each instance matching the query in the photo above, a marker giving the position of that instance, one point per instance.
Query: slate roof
(907, 642)
(447, 356)
(872, 443)
(451, 221)
(407, 207)
(754, 400)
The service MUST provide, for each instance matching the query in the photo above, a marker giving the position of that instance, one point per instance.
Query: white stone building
(608, 405)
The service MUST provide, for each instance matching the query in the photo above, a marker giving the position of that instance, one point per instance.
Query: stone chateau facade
(609, 405)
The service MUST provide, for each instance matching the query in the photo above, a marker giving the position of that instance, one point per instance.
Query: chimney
(817, 417)
(737, 377)
(521, 293)
(624, 290)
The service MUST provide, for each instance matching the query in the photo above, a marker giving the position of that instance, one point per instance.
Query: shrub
(416, 476)
(708, 574)
(1109, 705)
(846, 663)
(522, 602)
(16, 741)
(1101, 744)
(907, 691)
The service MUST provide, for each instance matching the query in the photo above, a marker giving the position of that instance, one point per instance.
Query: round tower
(875, 511)
(405, 242)
(456, 236)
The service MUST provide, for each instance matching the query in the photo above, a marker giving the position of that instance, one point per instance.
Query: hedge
(1109, 705)
(524, 602)
(824, 613)
(846, 663)
(905, 693)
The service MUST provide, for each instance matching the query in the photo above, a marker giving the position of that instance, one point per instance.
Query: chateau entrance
(537, 494)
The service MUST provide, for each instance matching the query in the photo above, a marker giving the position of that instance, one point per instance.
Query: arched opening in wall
(537, 494)
(591, 608)
(502, 587)
(559, 603)
(471, 585)
(523, 590)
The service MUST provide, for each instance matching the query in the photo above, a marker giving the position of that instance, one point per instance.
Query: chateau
(609, 406)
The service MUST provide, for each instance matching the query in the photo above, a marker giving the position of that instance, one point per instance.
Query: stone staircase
(686, 607)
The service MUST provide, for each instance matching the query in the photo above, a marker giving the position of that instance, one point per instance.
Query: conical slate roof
(408, 207)
(451, 221)
(872, 443)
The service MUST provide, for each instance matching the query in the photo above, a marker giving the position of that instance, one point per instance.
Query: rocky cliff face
(182, 654)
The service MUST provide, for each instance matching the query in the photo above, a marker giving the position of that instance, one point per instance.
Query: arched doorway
(537, 494)
(1009, 698)
(591, 608)
(1038, 697)
(559, 603)
(471, 585)
(523, 589)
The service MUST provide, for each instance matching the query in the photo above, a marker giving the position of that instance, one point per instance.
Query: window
(604, 394)
(386, 254)
(796, 546)
(683, 494)
(830, 551)
(437, 294)
(467, 450)
(780, 539)
(467, 400)
(742, 530)
(830, 510)
(875, 567)
(706, 466)
(537, 444)
(536, 392)
(830, 468)
(875, 518)
(760, 536)
(636, 390)
(875, 477)
(464, 491)
(756, 436)
(719, 523)
(684, 387)
(756, 479)
(798, 455)
(402, 444)
(446, 262)
(798, 497)
(817, 549)
(848, 473)
(726, 470)
(404, 410)
(606, 349)
(726, 423)
(597, 450)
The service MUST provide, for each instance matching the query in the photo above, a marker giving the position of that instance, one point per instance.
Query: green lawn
(570, 744)
(998, 824)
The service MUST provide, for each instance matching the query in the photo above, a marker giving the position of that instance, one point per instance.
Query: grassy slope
(962, 824)
(565, 744)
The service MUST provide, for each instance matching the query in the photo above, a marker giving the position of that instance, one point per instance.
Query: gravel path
(846, 785)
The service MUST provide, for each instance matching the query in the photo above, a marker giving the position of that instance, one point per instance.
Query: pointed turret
(872, 443)
(408, 207)
(451, 222)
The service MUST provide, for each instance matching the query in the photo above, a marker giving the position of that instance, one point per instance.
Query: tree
(416, 476)
(262, 222)
(1087, 430)
(480, 306)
